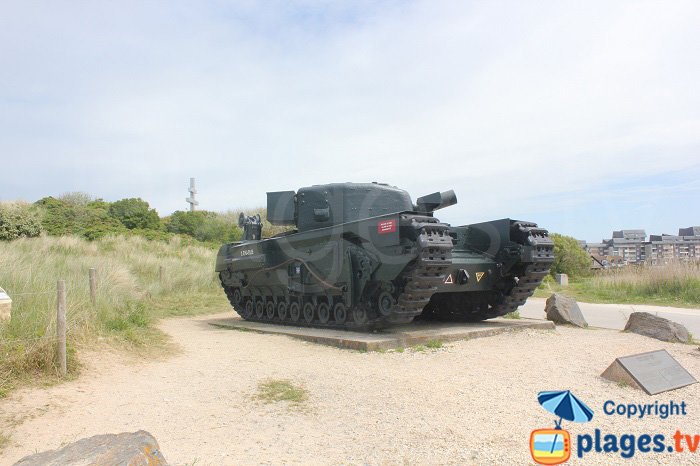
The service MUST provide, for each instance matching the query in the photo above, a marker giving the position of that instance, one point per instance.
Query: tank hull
(386, 270)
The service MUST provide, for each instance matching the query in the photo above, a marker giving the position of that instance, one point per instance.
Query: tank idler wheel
(324, 313)
(248, 309)
(359, 315)
(340, 313)
(237, 297)
(308, 312)
(385, 303)
(294, 311)
(270, 310)
(282, 310)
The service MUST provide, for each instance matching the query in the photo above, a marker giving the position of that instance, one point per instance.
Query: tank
(364, 256)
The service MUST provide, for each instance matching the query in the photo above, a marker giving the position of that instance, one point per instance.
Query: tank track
(395, 303)
(535, 271)
(475, 306)
(434, 245)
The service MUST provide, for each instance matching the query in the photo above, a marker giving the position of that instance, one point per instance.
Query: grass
(434, 344)
(274, 390)
(512, 315)
(676, 284)
(130, 298)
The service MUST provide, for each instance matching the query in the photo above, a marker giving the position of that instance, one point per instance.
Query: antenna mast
(191, 200)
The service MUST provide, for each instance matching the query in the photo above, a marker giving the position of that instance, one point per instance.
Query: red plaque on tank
(387, 226)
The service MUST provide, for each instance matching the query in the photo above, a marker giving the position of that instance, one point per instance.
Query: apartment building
(632, 247)
(662, 249)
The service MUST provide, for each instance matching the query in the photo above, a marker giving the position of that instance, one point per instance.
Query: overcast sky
(581, 116)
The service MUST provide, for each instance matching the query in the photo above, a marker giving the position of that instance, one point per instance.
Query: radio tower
(192, 202)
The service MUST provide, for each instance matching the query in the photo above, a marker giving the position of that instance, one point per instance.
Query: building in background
(631, 247)
(684, 247)
(628, 244)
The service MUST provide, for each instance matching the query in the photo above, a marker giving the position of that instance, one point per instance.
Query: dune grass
(131, 296)
(676, 284)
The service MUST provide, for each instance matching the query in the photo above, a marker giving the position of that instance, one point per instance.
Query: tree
(75, 198)
(135, 213)
(569, 257)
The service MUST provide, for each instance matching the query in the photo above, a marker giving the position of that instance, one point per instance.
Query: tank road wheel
(324, 313)
(270, 310)
(385, 302)
(359, 315)
(237, 298)
(248, 309)
(282, 310)
(259, 308)
(340, 313)
(308, 312)
(294, 311)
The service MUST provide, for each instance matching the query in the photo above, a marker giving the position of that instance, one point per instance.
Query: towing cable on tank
(289, 261)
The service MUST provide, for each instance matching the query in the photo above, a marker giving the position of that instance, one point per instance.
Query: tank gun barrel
(435, 201)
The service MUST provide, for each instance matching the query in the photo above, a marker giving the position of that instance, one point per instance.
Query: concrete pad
(416, 333)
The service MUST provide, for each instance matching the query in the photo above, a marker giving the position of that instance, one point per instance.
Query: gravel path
(472, 402)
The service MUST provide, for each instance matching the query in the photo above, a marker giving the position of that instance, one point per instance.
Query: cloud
(512, 104)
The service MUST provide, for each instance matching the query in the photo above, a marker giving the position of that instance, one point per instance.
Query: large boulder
(652, 326)
(561, 309)
(127, 449)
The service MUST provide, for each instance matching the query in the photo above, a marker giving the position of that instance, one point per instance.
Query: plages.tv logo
(553, 446)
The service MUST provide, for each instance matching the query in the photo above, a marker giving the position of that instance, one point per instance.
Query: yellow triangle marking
(479, 276)
(448, 280)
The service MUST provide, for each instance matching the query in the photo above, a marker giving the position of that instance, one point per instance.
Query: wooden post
(93, 286)
(160, 274)
(61, 326)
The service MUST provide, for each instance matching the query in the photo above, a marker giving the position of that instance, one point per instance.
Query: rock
(561, 309)
(652, 326)
(127, 449)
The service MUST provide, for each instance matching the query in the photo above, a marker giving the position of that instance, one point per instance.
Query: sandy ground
(473, 402)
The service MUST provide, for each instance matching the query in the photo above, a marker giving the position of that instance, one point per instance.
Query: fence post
(61, 326)
(160, 274)
(93, 286)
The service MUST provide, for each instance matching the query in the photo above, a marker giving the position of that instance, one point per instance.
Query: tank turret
(320, 206)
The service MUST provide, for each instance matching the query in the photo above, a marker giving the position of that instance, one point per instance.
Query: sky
(581, 116)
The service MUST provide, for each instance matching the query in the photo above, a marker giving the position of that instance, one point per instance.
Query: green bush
(91, 221)
(203, 226)
(135, 213)
(569, 257)
(18, 220)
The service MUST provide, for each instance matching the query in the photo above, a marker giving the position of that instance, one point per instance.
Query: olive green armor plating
(362, 255)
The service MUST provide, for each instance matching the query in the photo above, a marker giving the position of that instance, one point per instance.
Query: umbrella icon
(565, 405)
